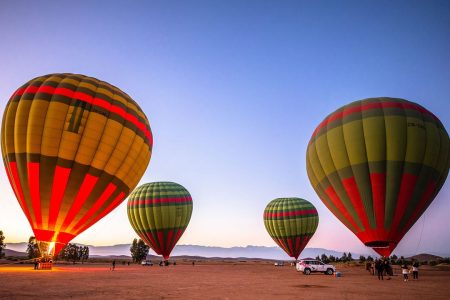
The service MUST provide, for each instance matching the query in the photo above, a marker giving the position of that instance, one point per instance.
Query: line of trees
(327, 259)
(70, 252)
(74, 253)
(2, 244)
(32, 248)
(139, 250)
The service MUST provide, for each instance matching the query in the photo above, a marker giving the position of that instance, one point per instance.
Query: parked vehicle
(312, 265)
(146, 263)
(279, 264)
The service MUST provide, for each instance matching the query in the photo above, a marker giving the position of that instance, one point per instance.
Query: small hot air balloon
(159, 212)
(291, 222)
(377, 164)
(73, 148)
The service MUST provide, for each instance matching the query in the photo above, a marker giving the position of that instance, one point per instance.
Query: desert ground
(214, 280)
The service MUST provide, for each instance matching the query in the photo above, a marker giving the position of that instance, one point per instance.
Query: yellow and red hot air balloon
(377, 164)
(73, 147)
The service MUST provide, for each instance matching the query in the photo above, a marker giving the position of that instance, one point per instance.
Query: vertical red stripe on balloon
(406, 189)
(97, 205)
(160, 235)
(338, 203)
(18, 190)
(297, 247)
(291, 247)
(60, 179)
(33, 183)
(170, 242)
(352, 190)
(378, 182)
(85, 189)
(153, 243)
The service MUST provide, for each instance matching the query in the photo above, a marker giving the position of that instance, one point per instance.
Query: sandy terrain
(213, 281)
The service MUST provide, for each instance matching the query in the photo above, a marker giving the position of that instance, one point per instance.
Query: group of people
(384, 268)
(406, 271)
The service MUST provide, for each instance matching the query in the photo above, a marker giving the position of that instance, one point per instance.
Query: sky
(233, 91)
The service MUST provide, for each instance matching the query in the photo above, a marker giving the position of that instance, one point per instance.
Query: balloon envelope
(291, 222)
(159, 212)
(377, 164)
(73, 148)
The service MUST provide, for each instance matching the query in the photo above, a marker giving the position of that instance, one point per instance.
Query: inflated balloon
(73, 148)
(291, 222)
(377, 164)
(159, 212)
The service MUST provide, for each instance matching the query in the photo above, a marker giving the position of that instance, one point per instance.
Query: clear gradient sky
(233, 91)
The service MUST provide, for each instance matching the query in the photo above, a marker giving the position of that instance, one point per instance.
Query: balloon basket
(45, 266)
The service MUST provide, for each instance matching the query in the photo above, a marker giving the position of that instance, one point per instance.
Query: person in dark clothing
(415, 270)
(113, 265)
(36, 264)
(379, 266)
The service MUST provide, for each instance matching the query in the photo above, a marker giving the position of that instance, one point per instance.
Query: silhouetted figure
(379, 266)
(128, 263)
(36, 264)
(415, 270)
(174, 263)
(193, 263)
(113, 265)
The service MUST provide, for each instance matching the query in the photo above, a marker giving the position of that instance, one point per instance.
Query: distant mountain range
(18, 249)
(203, 251)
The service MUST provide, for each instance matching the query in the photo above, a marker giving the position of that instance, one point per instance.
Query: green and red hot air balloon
(159, 212)
(377, 164)
(291, 222)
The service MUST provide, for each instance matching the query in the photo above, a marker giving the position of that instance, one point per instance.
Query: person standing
(380, 268)
(113, 265)
(415, 270)
(405, 271)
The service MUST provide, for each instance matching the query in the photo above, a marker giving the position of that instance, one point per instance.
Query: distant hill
(262, 252)
(9, 252)
(425, 257)
(202, 251)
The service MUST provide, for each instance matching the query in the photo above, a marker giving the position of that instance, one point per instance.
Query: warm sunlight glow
(50, 248)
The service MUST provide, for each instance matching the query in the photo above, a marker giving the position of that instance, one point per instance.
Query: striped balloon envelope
(73, 148)
(377, 164)
(291, 222)
(159, 212)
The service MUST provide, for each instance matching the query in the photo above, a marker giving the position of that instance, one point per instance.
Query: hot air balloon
(377, 164)
(159, 212)
(73, 148)
(291, 222)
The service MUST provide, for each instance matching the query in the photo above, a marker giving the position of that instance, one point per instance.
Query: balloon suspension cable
(421, 232)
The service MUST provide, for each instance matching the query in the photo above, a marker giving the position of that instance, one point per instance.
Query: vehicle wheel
(307, 271)
(329, 272)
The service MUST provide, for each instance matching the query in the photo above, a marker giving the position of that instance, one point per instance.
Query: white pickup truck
(312, 265)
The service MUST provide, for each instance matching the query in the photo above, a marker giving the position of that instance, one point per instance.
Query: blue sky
(233, 91)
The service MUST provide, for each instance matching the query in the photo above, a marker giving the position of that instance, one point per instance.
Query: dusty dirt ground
(244, 280)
